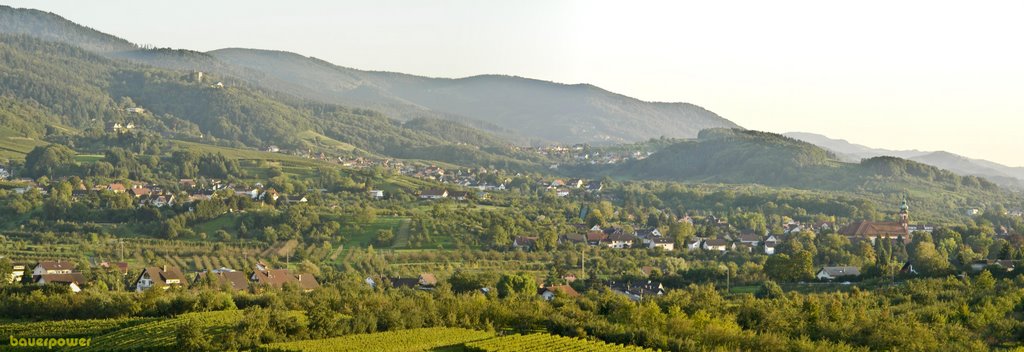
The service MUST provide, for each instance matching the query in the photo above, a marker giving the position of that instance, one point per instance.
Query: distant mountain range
(58, 78)
(846, 151)
(514, 107)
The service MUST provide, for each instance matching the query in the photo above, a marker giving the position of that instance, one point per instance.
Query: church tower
(904, 213)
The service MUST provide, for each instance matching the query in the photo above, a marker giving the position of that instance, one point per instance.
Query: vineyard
(68, 328)
(545, 343)
(392, 341)
(161, 334)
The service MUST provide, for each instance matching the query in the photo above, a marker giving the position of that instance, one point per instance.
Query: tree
(785, 267)
(865, 252)
(191, 337)
(499, 235)
(516, 285)
(384, 238)
(770, 289)
(681, 231)
(5, 270)
(48, 160)
(366, 215)
(927, 260)
(548, 239)
(595, 218)
(465, 281)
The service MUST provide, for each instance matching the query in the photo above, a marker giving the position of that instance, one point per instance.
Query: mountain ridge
(521, 109)
(852, 152)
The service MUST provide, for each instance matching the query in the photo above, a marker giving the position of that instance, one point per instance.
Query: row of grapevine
(160, 335)
(67, 328)
(546, 343)
(412, 340)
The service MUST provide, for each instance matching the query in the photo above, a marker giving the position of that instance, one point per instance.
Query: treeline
(959, 314)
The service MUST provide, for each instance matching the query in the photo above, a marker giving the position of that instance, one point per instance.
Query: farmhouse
(694, 243)
(718, 244)
(73, 281)
(236, 280)
(116, 188)
(53, 267)
(458, 195)
(662, 242)
(163, 277)
(121, 267)
(750, 239)
(638, 291)
(295, 199)
(17, 272)
(648, 233)
(619, 240)
(549, 293)
(433, 194)
(524, 242)
(377, 194)
(277, 278)
(834, 272)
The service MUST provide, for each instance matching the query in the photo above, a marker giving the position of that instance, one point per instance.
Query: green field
(88, 158)
(227, 222)
(324, 141)
(13, 146)
(364, 236)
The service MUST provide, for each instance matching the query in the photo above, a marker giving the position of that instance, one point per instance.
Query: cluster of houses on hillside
(64, 273)
(612, 237)
(255, 192)
(618, 238)
(147, 194)
(560, 188)
(434, 194)
(583, 154)
(563, 188)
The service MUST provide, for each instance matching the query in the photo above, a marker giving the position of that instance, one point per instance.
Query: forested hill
(514, 107)
(533, 108)
(50, 26)
(738, 156)
(47, 87)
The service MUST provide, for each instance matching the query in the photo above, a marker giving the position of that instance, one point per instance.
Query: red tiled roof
(596, 236)
(76, 278)
(237, 279)
(873, 229)
(57, 265)
(279, 277)
(563, 289)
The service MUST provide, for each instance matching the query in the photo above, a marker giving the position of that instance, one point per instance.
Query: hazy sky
(930, 75)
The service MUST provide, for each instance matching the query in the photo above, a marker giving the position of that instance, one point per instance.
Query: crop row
(546, 343)
(412, 340)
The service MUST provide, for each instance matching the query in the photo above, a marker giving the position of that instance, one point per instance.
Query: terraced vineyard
(412, 340)
(546, 343)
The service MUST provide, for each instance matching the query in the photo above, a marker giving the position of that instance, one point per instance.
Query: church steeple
(904, 212)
